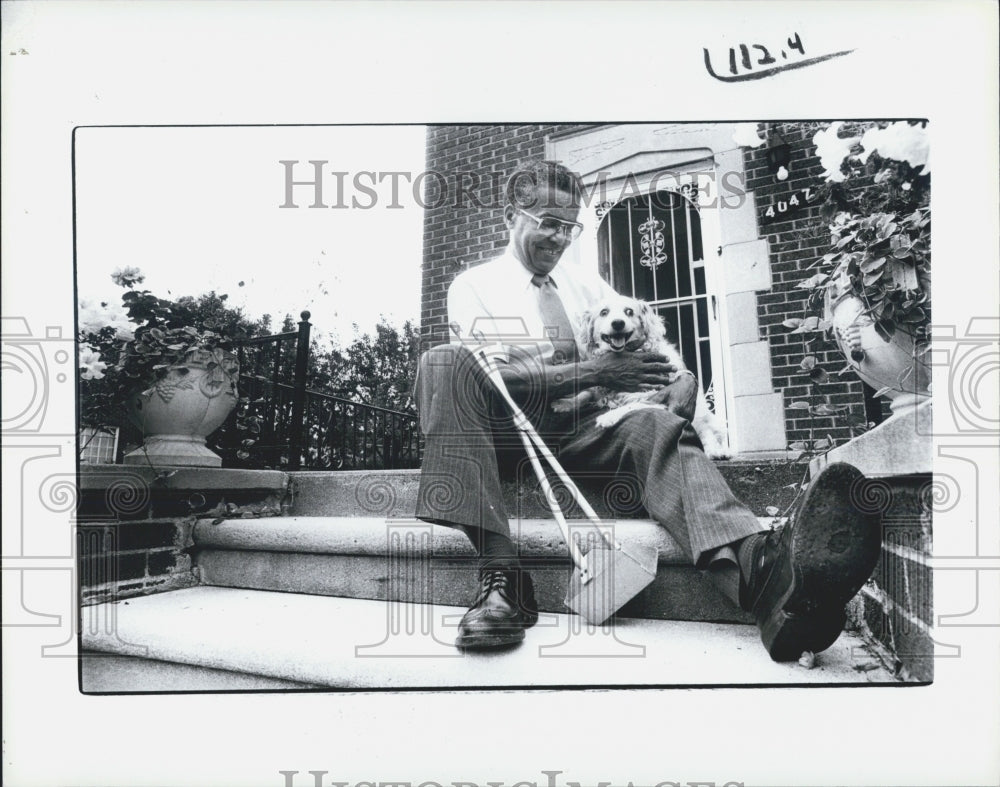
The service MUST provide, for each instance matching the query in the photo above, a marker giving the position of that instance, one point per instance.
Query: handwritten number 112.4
(793, 43)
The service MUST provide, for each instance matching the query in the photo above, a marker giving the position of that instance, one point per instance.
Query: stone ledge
(900, 446)
(758, 481)
(115, 492)
(183, 479)
(679, 592)
(371, 536)
(373, 558)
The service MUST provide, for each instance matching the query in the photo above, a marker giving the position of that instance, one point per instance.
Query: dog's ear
(585, 333)
(652, 324)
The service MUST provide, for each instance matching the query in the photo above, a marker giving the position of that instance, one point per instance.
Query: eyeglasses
(551, 226)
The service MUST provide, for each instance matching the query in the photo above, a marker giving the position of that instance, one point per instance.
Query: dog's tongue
(618, 342)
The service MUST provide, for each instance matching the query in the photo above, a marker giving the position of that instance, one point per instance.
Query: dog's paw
(610, 418)
(714, 445)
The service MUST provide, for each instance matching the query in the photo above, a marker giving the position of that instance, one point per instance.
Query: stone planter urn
(182, 408)
(893, 368)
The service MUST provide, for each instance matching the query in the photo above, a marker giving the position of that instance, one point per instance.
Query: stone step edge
(103, 672)
(393, 493)
(741, 460)
(276, 635)
(375, 536)
(678, 591)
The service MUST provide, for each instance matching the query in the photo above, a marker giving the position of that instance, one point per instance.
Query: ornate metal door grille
(650, 247)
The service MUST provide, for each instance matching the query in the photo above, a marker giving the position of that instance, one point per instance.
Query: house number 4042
(779, 209)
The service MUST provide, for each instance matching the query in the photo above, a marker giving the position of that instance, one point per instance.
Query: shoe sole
(496, 639)
(489, 641)
(835, 547)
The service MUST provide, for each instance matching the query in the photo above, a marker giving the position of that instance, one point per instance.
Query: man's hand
(681, 396)
(632, 371)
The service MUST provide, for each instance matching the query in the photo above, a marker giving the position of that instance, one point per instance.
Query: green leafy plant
(876, 203)
(132, 349)
(883, 259)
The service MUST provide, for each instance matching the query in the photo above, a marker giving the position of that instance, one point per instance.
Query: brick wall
(133, 558)
(464, 226)
(895, 607)
(795, 244)
(133, 527)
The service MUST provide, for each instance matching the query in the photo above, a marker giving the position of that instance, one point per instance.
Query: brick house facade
(755, 243)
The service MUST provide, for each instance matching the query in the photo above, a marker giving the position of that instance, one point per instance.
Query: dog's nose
(618, 325)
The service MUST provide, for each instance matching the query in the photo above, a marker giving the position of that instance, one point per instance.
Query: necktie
(557, 325)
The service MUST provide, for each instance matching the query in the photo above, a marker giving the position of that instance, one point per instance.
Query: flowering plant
(875, 205)
(880, 236)
(132, 347)
(876, 200)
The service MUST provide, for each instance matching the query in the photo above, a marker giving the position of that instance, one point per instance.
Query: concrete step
(393, 493)
(342, 643)
(412, 561)
(104, 673)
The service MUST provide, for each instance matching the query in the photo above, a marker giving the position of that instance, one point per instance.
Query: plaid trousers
(468, 432)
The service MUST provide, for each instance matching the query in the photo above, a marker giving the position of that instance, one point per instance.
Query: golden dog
(628, 325)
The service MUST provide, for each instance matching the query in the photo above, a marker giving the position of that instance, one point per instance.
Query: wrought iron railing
(272, 392)
(281, 423)
(344, 435)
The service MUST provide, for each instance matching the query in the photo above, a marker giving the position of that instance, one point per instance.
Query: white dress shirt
(496, 302)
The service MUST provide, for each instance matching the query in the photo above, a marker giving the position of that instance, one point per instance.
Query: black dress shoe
(803, 574)
(501, 611)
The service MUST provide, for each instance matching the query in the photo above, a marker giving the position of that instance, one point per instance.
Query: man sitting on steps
(795, 580)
